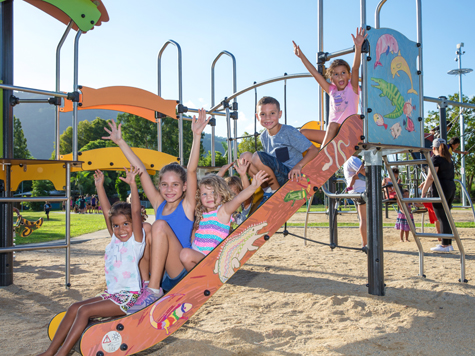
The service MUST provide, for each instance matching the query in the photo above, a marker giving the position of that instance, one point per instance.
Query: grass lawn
(81, 224)
(55, 228)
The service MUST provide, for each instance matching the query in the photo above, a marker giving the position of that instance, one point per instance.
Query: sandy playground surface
(289, 299)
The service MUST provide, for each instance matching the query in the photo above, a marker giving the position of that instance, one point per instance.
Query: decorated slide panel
(139, 331)
(393, 89)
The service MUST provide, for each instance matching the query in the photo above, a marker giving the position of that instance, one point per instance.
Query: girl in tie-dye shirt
(215, 204)
(124, 222)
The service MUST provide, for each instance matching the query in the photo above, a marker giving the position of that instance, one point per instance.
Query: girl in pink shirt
(343, 89)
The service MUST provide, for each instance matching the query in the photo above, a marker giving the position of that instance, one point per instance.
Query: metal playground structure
(392, 80)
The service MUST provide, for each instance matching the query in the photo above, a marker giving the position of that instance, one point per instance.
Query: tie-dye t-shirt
(343, 103)
(121, 264)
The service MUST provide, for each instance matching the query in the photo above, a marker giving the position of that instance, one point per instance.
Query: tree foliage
(20, 146)
(453, 113)
(248, 144)
(41, 188)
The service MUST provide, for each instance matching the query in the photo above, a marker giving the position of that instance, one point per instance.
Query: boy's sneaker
(146, 298)
(440, 248)
(451, 248)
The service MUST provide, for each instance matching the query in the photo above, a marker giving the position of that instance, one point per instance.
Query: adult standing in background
(444, 167)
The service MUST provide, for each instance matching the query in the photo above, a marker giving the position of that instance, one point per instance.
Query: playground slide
(133, 333)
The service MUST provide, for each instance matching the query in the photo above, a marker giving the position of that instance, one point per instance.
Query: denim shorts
(280, 170)
(168, 283)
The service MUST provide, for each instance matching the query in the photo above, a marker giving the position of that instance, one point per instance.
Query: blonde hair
(234, 181)
(218, 184)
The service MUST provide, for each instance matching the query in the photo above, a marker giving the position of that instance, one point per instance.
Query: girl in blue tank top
(174, 204)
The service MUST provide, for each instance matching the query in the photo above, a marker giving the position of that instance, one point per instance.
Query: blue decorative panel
(393, 89)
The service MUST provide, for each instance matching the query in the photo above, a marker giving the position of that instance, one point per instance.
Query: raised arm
(134, 202)
(311, 68)
(241, 166)
(224, 214)
(101, 193)
(115, 135)
(355, 71)
(198, 124)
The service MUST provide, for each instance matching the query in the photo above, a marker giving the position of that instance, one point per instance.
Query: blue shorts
(280, 170)
(168, 283)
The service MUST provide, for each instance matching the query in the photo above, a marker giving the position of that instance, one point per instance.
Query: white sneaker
(440, 248)
(451, 248)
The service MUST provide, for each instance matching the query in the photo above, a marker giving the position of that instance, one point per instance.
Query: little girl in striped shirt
(215, 204)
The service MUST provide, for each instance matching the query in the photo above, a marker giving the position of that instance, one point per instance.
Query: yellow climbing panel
(112, 159)
(34, 169)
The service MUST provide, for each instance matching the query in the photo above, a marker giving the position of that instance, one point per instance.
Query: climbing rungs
(422, 200)
(412, 162)
(442, 236)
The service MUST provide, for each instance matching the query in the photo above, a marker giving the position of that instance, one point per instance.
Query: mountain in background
(38, 121)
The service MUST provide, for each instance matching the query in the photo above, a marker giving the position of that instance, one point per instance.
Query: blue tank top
(179, 223)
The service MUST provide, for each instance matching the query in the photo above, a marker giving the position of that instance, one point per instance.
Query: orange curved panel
(126, 99)
(63, 17)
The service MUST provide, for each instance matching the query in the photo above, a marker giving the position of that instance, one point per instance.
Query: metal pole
(320, 49)
(76, 88)
(6, 71)
(443, 117)
(420, 70)
(213, 154)
(332, 214)
(228, 124)
(364, 75)
(376, 14)
(58, 85)
(68, 224)
(462, 125)
(374, 213)
(180, 91)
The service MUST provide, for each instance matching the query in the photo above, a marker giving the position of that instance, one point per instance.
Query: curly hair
(334, 64)
(220, 187)
(120, 208)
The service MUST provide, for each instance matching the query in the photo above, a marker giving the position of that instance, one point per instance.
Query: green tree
(41, 188)
(20, 146)
(87, 132)
(220, 160)
(453, 113)
(248, 144)
(137, 131)
(170, 138)
(121, 187)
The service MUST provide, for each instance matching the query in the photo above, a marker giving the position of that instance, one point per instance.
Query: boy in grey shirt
(283, 145)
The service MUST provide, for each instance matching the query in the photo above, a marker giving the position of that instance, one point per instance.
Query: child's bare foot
(407, 240)
(401, 240)
(45, 354)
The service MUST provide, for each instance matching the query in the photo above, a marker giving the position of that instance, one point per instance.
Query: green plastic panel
(84, 13)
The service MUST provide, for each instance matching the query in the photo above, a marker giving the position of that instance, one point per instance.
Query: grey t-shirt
(287, 145)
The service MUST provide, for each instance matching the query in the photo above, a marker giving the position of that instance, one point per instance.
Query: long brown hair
(443, 151)
(220, 187)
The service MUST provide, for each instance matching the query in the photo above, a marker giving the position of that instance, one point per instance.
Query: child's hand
(241, 166)
(98, 178)
(296, 172)
(130, 175)
(259, 178)
(199, 123)
(297, 50)
(360, 37)
(222, 171)
(115, 132)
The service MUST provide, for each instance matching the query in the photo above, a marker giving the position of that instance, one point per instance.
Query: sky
(258, 33)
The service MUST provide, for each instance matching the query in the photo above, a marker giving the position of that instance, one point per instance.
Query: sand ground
(289, 299)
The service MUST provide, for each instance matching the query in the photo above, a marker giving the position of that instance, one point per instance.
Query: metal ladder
(417, 235)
